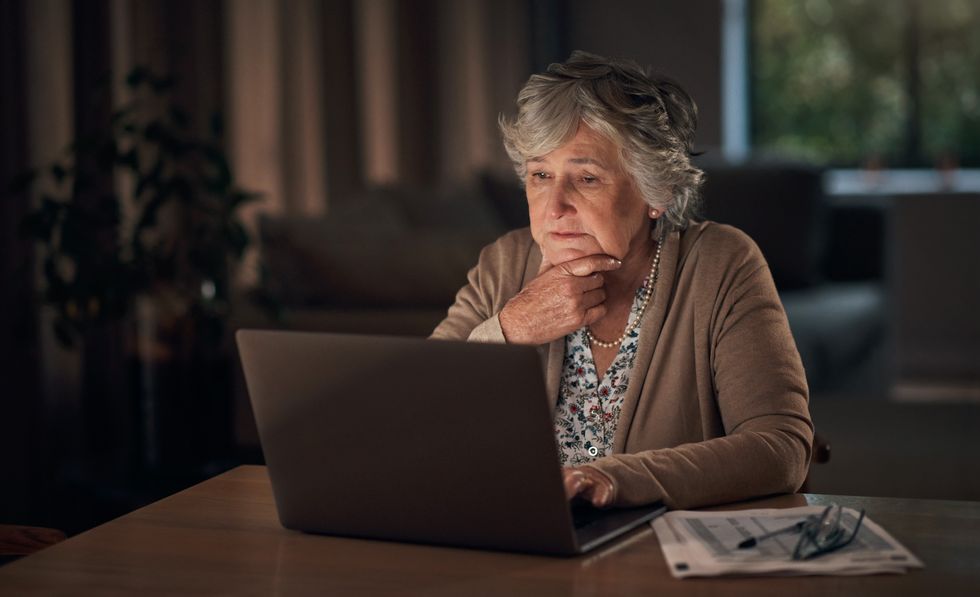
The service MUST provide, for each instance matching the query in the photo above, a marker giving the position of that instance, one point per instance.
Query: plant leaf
(137, 76)
(238, 238)
(58, 172)
(130, 159)
(239, 198)
(151, 179)
(64, 332)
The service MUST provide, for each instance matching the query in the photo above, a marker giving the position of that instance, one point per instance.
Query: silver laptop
(416, 440)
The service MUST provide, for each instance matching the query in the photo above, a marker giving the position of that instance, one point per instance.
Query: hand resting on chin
(560, 300)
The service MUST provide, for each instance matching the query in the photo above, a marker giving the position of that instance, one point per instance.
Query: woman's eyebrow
(587, 160)
(575, 160)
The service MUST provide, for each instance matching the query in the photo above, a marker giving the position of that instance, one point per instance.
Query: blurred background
(173, 170)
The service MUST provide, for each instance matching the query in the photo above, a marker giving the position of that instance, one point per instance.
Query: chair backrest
(781, 206)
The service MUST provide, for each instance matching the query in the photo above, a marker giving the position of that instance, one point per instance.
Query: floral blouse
(588, 410)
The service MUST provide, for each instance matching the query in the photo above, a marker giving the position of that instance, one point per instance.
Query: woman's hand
(562, 299)
(590, 484)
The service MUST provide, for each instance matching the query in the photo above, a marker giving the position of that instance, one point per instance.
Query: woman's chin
(565, 254)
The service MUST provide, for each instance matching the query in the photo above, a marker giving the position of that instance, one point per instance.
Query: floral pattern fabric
(588, 409)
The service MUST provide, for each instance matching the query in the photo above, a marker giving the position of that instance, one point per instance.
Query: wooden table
(223, 537)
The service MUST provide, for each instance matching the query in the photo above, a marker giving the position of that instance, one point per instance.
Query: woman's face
(581, 202)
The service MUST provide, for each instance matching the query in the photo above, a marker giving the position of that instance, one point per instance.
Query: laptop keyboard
(584, 514)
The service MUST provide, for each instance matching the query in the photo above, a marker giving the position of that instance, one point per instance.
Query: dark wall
(679, 39)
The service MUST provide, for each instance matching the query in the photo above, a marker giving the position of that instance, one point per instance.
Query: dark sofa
(826, 258)
(390, 261)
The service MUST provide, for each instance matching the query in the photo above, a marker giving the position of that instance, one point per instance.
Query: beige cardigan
(716, 409)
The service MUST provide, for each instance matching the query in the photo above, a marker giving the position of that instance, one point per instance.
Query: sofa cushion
(781, 207)
(384, 249)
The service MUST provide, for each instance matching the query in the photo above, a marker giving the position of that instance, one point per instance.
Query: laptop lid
(410, 439)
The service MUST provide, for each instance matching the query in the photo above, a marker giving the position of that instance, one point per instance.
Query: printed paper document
(704, 544)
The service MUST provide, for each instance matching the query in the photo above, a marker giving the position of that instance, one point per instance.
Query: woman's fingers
(575, 482)
(560, 300)
(592, 281)
(594, 314)
(588, 265)
(591, 298)
(601, 489)
(589, 484)
(598, 494)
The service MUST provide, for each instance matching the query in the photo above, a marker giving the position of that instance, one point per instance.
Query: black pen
(753, 541)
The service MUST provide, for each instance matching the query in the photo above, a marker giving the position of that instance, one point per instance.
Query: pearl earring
(654, 214)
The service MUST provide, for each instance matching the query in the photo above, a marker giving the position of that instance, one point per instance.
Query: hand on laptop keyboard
(589, 484)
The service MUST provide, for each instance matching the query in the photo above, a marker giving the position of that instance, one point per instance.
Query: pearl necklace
(644, 301)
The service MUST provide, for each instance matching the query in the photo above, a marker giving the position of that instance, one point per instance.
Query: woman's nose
(559, 200)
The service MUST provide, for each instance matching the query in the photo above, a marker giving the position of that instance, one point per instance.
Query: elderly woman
(670, 365)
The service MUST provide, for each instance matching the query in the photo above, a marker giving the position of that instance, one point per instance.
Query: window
(872, 83)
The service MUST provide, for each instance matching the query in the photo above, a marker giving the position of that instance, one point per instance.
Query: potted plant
(140, 221)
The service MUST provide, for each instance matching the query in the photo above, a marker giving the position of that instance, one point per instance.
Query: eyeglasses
(818, 534)
(825, 534)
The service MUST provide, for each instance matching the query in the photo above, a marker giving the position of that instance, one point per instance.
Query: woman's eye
(539, 175)
(589, 179)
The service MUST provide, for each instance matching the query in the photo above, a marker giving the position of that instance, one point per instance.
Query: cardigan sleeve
(761, 395)
(474, 315)
(471, 316)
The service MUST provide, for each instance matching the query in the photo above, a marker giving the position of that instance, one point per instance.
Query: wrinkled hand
(590, 484)
(562, 299)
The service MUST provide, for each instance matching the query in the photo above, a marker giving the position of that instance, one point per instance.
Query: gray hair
(649, 117)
